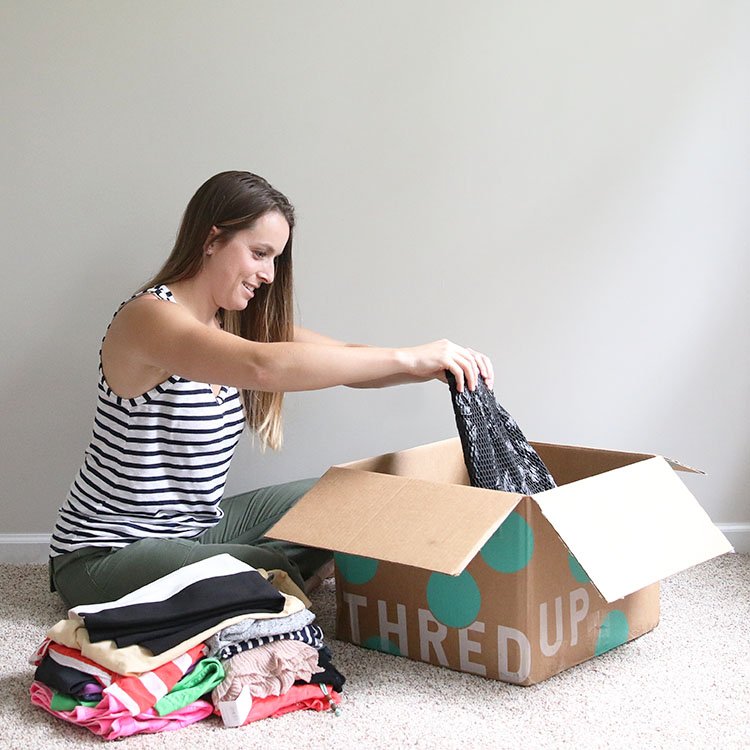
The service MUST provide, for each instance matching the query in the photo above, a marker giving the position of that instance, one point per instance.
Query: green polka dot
(454, 600)
(377, 643)
(613, 631)
(578, 572)
(356, 569)
(510, 548)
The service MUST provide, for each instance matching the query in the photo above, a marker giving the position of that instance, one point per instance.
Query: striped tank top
(156, 464)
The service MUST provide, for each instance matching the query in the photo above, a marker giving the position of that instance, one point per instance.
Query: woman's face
(237, 267)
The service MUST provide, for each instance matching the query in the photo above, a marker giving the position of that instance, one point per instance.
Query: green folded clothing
(204, 677)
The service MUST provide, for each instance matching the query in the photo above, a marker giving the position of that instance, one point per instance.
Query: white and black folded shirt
(181, 604)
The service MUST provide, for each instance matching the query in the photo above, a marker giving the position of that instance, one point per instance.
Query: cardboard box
(511, 587)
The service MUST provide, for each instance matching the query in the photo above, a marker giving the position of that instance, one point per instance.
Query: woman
(208, 344)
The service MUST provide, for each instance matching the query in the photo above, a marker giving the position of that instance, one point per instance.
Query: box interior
(443, 462)
(626, 517)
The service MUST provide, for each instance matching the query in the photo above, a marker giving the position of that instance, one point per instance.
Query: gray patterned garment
(251, 628)
(312, 635)
(497, 455)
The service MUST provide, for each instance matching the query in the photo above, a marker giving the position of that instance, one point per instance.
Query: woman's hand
(430, 361)
(486, 370)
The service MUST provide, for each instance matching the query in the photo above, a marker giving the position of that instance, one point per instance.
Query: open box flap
(679, 466)
(632, 526)
(569, 463)
(442, 461)
(402, 520)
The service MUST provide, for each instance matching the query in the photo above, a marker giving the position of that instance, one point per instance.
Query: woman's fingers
(486, 369)
(471, 364)
(466, 365)
(471, 369)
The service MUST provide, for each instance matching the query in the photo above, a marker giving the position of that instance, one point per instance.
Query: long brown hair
(233, 201)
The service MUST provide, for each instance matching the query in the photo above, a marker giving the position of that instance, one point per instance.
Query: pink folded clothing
(312, 697)
(111, 720)
(136, 692)
(270, 669)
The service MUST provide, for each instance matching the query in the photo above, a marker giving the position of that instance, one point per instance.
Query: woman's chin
(237, 305)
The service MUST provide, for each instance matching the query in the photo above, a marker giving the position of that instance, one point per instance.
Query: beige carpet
(684, 685)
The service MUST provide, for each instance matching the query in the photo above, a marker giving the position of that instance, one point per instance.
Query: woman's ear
(211, 240)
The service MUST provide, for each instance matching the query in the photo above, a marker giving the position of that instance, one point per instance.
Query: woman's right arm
(154, 334)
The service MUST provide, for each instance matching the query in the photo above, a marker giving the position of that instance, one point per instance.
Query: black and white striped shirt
(156, 464)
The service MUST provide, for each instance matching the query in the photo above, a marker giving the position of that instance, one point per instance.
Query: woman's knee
(96, 575)
(266, 556)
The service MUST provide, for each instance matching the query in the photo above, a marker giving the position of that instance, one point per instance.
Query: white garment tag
(235, 712)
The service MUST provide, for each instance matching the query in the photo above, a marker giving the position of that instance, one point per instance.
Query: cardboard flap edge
(349, 524)
(669, 553)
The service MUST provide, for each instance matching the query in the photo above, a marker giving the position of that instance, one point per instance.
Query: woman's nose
(267, 273)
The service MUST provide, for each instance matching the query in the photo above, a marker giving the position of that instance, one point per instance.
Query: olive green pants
(101, 574)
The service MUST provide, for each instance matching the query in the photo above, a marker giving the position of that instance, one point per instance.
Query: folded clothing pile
(215, 637)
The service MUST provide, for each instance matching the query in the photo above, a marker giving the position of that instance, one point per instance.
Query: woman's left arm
(306, 336)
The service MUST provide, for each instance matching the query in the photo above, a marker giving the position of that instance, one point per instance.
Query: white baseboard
(738, 535)
(22, 549)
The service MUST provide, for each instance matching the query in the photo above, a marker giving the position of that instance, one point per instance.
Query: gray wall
(561, 185)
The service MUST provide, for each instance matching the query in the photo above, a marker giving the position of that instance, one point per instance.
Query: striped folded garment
(136, 692)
